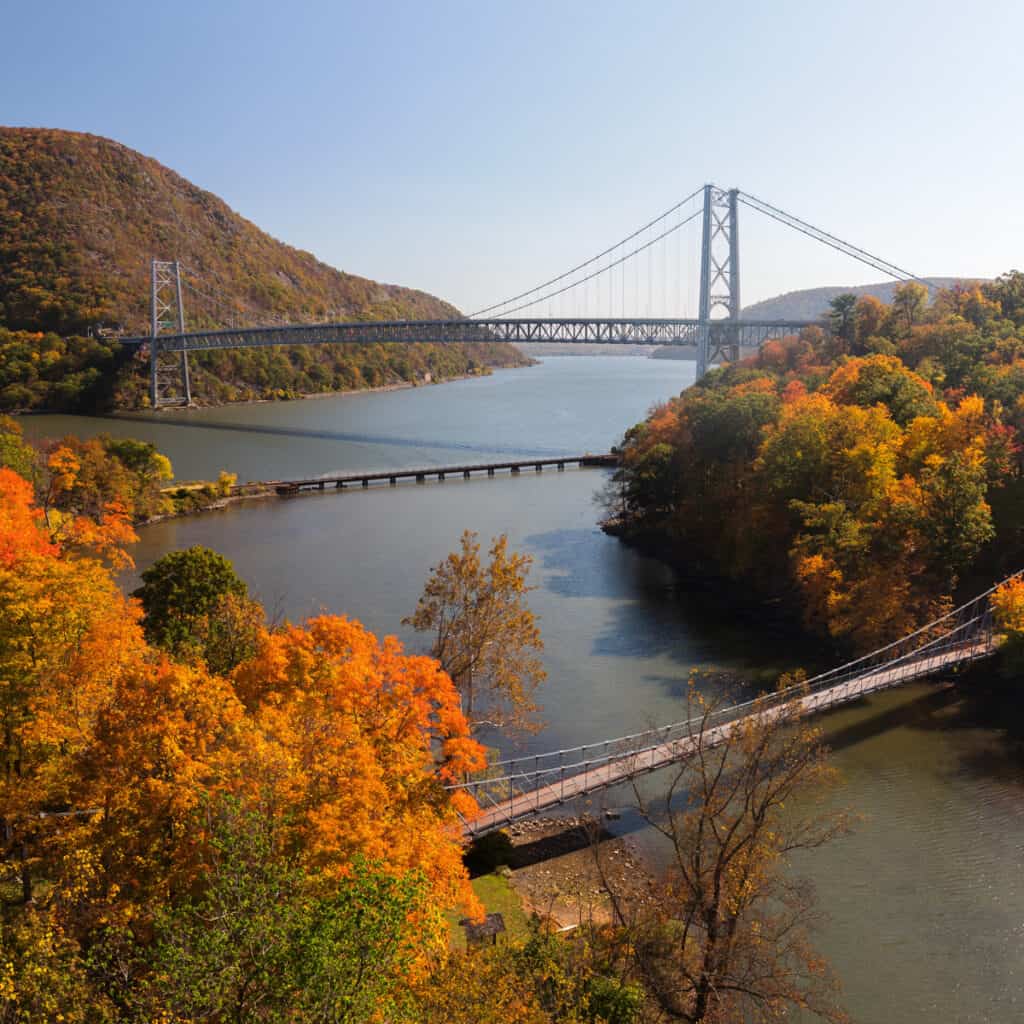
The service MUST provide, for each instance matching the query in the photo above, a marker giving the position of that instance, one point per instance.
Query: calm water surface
(926, 898)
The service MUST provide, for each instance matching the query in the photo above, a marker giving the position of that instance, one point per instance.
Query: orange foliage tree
(66, 632)
(355, 739)
(341, 740)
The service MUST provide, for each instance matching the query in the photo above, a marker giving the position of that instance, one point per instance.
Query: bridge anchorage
(578, 305)
(518, 788)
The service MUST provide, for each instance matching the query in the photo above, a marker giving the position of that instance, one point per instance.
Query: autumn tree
(880, 379)
(43, 977)
(148, 470)
(15, 453)
(355, 740)
(871, 313)
(484, 634)
(1008, 291)
(66, 633)
(725, 937)
(1008, 609)
(542, 980)
(910, 300)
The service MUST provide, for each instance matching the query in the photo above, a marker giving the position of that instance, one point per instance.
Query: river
(925, 900)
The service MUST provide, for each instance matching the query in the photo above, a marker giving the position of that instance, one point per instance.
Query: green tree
(266, 941)
(179, 593)
(485, 635)
(843, 320)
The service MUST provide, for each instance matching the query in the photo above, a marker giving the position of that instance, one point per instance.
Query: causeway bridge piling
(422, 474)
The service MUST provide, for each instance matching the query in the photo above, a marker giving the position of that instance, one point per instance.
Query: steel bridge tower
(168, 371)
(717, 340)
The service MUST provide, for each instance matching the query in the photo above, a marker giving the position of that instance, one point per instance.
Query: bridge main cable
(600, 270)
(832, 241)
(593, 259)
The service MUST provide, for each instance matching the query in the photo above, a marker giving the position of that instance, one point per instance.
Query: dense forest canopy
(866, 471)
(81, 217)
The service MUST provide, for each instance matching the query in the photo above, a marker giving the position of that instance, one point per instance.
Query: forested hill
(82, 216)
(813, 303)
(80, 219)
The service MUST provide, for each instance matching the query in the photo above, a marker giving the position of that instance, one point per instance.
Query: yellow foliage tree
(1008, 608)
(485, 635)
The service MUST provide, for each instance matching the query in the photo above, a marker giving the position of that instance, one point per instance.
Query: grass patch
(495, 892)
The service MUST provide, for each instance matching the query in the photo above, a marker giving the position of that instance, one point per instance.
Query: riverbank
(562, 868)
(134, 400)
(400, 385)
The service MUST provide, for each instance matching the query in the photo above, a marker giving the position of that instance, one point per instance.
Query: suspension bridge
(521, 787)
(623, 295)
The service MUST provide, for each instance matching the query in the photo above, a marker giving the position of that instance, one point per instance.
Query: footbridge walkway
(518, 788)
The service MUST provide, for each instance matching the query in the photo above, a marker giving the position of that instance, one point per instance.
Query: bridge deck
(673, 331)
(622, 769)
(440, 472)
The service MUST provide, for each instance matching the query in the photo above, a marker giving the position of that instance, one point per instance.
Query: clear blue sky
(474, 148)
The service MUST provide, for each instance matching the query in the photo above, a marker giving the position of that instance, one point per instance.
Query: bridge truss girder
(724, 336)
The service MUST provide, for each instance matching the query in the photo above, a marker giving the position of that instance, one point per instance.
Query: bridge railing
(957, 637)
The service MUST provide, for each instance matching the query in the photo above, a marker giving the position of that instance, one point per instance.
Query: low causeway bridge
(514, 789)
(392, 476)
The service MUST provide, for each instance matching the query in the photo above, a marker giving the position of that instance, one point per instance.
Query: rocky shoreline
(561, 869)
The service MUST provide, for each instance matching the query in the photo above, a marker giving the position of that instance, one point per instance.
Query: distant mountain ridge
(812, 303)
(82, 216)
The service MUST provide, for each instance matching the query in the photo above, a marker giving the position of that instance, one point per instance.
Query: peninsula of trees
(80, 219)
(865, 473)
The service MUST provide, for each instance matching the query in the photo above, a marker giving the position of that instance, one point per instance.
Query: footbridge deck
(522, 787)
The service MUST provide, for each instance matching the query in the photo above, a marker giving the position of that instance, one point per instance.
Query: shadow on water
(338, 435)
(916, 713)
(945, 709)
(656, 613)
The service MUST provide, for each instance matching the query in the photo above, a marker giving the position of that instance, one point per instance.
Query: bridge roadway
(616, 770)
(745, 334)
(392, 476)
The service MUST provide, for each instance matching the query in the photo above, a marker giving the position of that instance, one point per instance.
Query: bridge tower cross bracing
(719, 279)
(169, 382)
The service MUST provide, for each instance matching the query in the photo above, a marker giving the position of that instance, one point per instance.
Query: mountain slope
(812, 303)
(80, 219)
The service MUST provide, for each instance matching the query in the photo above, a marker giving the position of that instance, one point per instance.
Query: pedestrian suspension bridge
(637, 291)
(518, 788)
